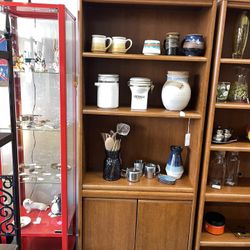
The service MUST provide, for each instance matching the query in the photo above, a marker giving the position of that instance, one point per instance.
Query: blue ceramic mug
(193, 45)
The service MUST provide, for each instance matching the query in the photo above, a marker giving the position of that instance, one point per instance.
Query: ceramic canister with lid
(139, 87)
(107, 91)
(176, 92)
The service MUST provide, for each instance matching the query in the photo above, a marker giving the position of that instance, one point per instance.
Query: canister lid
(177, 34)
(108, 77)
(139, 81)
(178, 73)
(215, 219)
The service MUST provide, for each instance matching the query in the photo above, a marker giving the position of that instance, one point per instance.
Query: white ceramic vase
(176, 92)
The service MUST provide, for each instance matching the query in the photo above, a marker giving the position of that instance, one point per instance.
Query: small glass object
(240, 35)
(222, 91)
(171, 43)
(232, 168)
(239, 89)
(217, 169)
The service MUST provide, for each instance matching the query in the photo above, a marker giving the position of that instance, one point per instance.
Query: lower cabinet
(127, 224)
(163, 225)
(109, 224)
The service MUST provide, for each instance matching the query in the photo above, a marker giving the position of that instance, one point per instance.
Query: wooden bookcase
(232, 202)
(147, 214)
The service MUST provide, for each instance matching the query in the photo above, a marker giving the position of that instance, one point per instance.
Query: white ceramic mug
(99, 43)
(151, 47)
(119, 44)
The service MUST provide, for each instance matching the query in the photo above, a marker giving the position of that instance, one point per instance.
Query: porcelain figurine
(56, 208)
(30, 205)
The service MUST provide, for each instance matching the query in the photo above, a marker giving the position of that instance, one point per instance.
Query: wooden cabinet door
(163, 225)
(109, 224)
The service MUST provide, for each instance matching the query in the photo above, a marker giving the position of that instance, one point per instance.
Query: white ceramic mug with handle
(119, 44)
(99, 43)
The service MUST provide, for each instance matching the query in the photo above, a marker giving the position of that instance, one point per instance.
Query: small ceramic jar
(193, 45)
(139, 87)
(171, 43)
(214, 223)
(107, 91)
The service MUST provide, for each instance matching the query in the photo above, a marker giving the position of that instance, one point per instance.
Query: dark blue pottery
(193, 45)
(112, 166)
(174, 166)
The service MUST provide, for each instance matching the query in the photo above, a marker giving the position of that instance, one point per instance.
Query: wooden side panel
(109, 224)
(163, 225)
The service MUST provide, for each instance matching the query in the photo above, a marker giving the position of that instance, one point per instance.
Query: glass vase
(112, 166)
(240, 35)
(239, 89)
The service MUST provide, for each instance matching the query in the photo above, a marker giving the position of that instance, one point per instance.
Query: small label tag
(187, 139)
(182, 114)
(216, 186)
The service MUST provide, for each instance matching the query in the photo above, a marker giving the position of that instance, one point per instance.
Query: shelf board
(240, 193)
(40, 129)
(232, 105)
(48, 225)
(234, 146)
(94, 181)
(234, 61)
(227, 239)
(145, 57)
(201, 3)
(150, 112)
(37, 73)
(4, 55)
(5, 138)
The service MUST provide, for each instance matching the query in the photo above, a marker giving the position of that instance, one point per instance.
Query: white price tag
(187, 139)
(216, 186)
(182, 114)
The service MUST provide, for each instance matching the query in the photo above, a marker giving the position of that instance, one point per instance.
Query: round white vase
(176, 91)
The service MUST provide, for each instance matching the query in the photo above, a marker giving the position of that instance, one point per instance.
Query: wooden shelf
(234, 61)
(150, 112)
(4, 55)
(5, 138)
(232, 105)
(227, 239)
(240, 193)
(157, 2)
(235, 146)
(145, 57)
(94, 181)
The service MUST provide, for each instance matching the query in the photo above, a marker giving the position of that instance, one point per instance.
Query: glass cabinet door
(44, 73)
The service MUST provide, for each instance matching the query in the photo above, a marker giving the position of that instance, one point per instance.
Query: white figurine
(56, 206)
(30, 205)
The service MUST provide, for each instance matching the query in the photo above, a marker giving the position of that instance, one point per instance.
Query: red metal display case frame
(31, 237)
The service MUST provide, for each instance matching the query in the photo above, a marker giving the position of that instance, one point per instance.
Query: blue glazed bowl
(193, 45)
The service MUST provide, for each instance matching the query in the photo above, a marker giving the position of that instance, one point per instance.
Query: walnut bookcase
(118, 215)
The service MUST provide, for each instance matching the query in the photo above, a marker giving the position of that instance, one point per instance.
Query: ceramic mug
(99, 43)
(151, 170)
(193, 45)
(119, 44)
(151, 47)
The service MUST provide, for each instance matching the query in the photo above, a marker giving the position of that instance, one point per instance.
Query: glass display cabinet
(43, 39)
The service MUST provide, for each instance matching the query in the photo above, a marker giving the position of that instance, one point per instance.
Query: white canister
(107, 91)
(176, 92)
(139, 87)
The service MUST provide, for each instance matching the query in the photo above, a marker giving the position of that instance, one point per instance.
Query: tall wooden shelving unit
(232, 202)
(147, 214)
